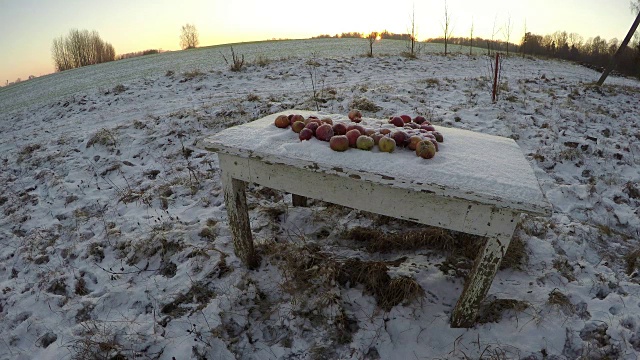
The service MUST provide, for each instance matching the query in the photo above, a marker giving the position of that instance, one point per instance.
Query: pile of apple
(417, 134)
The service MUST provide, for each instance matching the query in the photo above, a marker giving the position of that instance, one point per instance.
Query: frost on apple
(417, 134)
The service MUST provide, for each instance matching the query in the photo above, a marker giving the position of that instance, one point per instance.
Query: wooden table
(477, 184)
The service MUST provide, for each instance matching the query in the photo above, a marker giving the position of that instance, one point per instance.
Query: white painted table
(476, 183)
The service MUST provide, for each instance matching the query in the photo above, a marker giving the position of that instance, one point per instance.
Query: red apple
(357, 127)
(324, 132)
(400, 138)
(327, 120)
(405, 118)
(355, 115)
(282, 121)
(353, 137)
(339, 143)
(312, 126)
(427, 127)
(376, 137)
(438, 136)
(397, 121)
(305, 134)
(419, 119)
(339, 129)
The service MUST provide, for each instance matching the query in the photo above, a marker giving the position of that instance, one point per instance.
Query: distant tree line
(80, 48)
(137, 53)
(594, 52)
(383, 35)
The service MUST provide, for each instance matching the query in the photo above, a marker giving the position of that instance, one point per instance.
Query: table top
(469, 165)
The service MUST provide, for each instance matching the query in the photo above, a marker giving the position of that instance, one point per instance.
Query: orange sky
(28, 27)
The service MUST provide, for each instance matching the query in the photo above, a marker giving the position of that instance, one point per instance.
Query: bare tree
(189, 37)
(446, 26)
(493, 34)
(507, 32)
(371, 38)
(411, 45)
(523, 43)
(80, 48)
(471, 38)
(635, 6)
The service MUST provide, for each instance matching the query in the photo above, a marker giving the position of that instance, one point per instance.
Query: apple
(411, 125)
(312, 126)
(438, 136)
(385, 131)
(357, 127)
(297, 126)
(387, 144)
(365, 142)
(425, 149)
(324, 132)
(327, 120)
(305, 134)
(353, 137)
(355, 115)
(435, 143)
(339, 143)
(297, 117)
(369, 131)
(376, 137)
(400, 137)
(282, 121)
(339, 129)
(406, 118)
(419, 119)
(397, 121)
(428, 127)
(413, 141)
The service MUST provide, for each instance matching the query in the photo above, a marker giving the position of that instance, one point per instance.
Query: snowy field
(114, 242)
(107, 75)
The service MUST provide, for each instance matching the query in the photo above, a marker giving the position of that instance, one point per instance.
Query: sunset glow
(29, 26)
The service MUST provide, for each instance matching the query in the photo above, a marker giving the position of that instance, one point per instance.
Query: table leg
(236, 202)
(299, 200)
(479, 281)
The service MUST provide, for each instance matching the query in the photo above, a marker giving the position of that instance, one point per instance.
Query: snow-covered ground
(114, 238)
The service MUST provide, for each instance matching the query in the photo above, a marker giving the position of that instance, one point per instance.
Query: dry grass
(632, 260)
(493, 311)
(557, 298)
(364, 104)
(457, 244)
(307, 267)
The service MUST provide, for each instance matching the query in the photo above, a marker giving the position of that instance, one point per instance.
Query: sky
(28, 27)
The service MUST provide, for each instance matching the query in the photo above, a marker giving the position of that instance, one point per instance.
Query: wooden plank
(422, 207)
(236, 203)
(484, 270)
(298, 200)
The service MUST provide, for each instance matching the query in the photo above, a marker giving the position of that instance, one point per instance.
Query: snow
(114, 238)
(470, 165)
